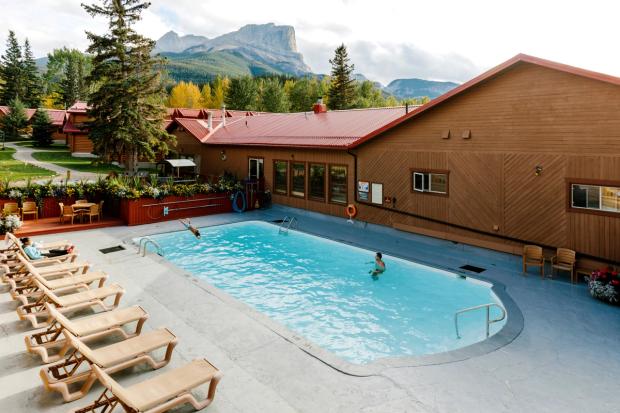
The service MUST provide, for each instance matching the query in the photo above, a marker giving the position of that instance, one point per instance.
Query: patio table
(80, 209)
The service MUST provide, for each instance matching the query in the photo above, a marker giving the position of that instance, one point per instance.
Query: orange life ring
(351, 211)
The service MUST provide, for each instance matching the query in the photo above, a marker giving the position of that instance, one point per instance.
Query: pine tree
(14, 123)
(342, 88)
(273, 98)
(33, 87)
(126, 108)
(42, 128)
(11, 71)
(69, 86)
(242, 94)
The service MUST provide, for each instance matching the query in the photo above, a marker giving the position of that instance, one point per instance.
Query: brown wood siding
(81, 144)
(237, 159)
(527, 117)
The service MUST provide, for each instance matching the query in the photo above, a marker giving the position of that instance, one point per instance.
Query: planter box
(148, 210)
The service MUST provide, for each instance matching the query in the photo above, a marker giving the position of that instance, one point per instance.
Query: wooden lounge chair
(564, 260)
(70, 302)
(533, 257)
(115, 357)
(86, 329)
(30, 208)
(159, 394)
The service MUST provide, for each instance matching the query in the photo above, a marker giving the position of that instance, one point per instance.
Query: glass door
(256, 169)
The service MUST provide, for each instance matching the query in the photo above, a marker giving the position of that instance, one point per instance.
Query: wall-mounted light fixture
(538, 170)
(223, 155)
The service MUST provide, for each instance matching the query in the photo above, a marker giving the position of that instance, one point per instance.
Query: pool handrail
(144, 241)
(287, 220)
(489, 321)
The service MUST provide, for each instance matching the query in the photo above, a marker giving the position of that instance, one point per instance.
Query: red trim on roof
(520, 58)
(71, 128)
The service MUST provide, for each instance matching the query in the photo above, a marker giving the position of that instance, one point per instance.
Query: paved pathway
(24, 154)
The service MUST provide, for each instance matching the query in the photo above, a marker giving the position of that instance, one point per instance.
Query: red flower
(615, 282)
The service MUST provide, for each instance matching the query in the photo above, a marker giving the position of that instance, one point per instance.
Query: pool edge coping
(509, 332)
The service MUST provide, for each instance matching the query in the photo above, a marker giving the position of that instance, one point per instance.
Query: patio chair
(93, 212)
(89, 328)
(67, 212)
(70, 302)
(100, 209)
(112, 358)
(564, 260)
(533, 257)
(10, 208)
(30, 208)
(160, 393)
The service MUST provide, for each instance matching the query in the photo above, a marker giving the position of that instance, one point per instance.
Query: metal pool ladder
(286, 224)
(144, 242)
(489, 321)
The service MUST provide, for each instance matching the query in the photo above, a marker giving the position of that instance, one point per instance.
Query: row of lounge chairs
(78, 350)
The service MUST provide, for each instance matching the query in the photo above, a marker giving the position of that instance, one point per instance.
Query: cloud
(384, 61)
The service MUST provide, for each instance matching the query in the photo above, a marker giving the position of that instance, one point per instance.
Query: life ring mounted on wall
(351, 211)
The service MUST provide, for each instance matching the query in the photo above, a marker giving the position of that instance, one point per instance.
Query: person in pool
(379, 266)
(188, 224)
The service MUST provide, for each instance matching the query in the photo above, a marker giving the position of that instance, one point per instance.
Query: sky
(389, 39)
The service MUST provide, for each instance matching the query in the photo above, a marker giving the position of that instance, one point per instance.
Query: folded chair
(86, 329)
(69, 302)
(116, 357)
(533, 257)
(159, 394)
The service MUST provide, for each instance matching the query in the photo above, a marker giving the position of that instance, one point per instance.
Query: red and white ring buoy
(351, 211)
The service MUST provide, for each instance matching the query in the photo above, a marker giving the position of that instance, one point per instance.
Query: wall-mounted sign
(377, 193)
(363, 186)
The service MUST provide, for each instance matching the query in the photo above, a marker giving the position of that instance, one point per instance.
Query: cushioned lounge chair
(86, 329)
(160, 393)
(70, 302)
(115, 357)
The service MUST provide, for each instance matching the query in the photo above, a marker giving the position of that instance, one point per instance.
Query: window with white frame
(434, 182)
(595, 197)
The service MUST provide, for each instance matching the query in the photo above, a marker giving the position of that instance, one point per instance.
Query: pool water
(322, 290)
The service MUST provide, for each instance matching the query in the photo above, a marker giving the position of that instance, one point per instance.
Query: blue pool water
(321, 289)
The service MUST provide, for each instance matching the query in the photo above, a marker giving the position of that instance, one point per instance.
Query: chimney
(223, 115)
(319, 106)
(210, 120)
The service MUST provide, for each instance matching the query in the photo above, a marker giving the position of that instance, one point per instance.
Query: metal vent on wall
(108, 250)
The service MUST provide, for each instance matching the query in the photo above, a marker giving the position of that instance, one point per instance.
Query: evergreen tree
(342, 88)
(69, 87)
(242, 94)
(42, 128)
(125, 109)
(14, 123)
(33, 88)
(273, 98)
(304, 94)
(56, 71)
(11, 71)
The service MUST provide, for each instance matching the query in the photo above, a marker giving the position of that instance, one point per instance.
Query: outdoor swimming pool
(321, 289)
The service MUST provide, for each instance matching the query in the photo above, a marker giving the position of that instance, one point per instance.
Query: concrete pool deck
(565, 359)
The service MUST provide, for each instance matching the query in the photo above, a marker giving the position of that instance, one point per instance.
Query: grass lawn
(53, 147)
(16, 170)
(64, 159)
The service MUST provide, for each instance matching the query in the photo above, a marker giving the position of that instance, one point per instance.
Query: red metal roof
(70, 128)
(335, 129)
(189, 113)
(57, 116)
(518, 59)
(79, 107)
(4, 110)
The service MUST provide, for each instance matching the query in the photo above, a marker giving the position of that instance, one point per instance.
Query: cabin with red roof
(57, 118)
(526, 153)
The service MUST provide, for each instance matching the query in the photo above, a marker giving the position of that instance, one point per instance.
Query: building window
(280, 177)
(595, 197)
(298, 179)
(338, 184)
(255, 168)
(316, 181)
(435, 182)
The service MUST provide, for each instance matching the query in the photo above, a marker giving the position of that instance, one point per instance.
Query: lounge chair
(533, 257)
(70, 302)
(15, 243)
(20, 272)
(29, 291)
(69, 257)
(115, 357)
(159, 394)
(86, 329)
(564, 260)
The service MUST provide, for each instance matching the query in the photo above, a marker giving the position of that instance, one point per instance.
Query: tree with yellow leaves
(185, 95)
(205, 96)
(218, 93)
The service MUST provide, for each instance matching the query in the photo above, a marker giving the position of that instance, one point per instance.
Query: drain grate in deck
(116, 248)
(473, 268)
(277, 221)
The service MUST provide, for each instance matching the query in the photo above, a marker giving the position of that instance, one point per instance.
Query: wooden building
(528, 152)
(77, 134)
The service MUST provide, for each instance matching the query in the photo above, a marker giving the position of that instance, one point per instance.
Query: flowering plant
(9, 223)
(604, 284)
